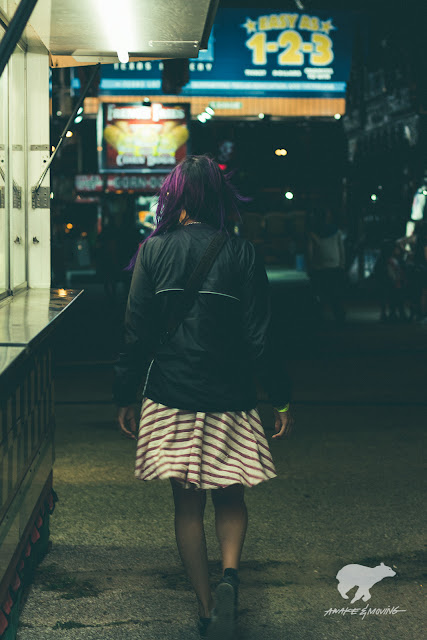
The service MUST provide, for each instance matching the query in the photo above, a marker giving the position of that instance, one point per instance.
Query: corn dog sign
(136, 138)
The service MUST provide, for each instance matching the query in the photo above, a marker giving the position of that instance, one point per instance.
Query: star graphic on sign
(250, 26)
(327, 26)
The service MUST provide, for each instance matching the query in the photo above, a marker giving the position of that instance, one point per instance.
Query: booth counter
(29, 322)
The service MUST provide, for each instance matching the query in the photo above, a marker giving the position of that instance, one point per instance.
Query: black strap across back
(193, 284)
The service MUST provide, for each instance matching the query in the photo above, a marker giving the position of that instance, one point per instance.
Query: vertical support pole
(38, 153)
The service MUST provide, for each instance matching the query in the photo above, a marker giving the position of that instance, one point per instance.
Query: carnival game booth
(33, 37)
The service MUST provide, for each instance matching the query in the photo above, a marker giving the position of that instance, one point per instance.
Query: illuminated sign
(144, 182)
(255, 52)
(139, 182)
(141, 138)
(89, 183)
(225, 104)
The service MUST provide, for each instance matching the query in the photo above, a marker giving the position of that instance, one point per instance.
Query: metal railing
(15, 31)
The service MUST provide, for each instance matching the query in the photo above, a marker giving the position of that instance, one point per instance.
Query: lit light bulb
(373, 197)
(337, 116)
(210, 111)
(123, 56)
(261, 116)
(289, 195)
(69, 134)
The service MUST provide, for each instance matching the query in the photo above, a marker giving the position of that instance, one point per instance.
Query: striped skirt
(205, 450)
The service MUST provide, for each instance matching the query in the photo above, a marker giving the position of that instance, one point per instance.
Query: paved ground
(349, 490)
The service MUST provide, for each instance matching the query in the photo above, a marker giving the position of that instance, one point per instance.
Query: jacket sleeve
(257, 326)
(138, 338)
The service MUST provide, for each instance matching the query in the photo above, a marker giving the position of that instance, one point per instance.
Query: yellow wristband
(284, 409)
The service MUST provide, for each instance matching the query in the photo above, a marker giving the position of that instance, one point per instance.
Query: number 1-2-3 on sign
(321, 49)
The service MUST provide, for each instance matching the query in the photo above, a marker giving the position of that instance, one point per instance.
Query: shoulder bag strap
(193, 284)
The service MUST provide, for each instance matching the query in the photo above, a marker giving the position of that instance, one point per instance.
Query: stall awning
(77, 32)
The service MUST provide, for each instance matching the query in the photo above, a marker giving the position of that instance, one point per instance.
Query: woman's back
(209, 363)
(206, 365)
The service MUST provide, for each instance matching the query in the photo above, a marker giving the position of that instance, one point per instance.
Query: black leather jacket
(211, 361)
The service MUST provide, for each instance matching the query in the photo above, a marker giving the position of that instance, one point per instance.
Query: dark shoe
(234, 581)
(222, 624)
(203, 626)
(224, 614)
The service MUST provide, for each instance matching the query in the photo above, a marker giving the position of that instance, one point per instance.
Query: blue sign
(255, 52)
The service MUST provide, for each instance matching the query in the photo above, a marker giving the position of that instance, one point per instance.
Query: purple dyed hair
(199, 186)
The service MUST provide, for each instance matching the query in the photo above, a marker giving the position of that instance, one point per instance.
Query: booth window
(4, 227)
(13, 188)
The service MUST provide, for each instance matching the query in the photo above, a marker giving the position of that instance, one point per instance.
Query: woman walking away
(201, 338)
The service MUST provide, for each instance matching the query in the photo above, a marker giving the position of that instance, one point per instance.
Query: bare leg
(231, 522)
(190, 537)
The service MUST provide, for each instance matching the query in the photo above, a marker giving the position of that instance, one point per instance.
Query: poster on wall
(256, 52)
(141, 138)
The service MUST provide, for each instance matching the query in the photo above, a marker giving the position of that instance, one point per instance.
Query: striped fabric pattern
(208, 450)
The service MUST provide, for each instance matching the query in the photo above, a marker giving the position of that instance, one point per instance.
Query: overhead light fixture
(207, 116)
(80, 110)
(116, 21)
(78, 119)
(123, 56)
(289, 195)
(281, 152)
(337, 116)
(202, 117)
(261, 116)
(373, 197)
(210, 111)
(69, 134)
